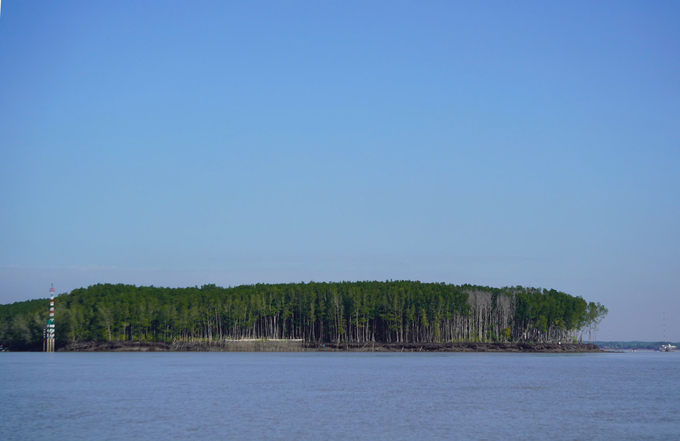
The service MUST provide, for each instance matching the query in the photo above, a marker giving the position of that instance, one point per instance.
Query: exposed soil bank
(298, 346)
(459, 347)
(114, 346)
(184, 346)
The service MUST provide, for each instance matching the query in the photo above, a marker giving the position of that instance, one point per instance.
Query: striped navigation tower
(50, 323)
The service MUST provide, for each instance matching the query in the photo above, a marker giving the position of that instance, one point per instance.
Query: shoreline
(301, 346)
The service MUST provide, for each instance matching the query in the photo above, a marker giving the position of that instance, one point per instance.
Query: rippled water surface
(318, 396)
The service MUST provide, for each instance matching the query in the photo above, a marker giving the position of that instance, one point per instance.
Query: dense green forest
(391, 311)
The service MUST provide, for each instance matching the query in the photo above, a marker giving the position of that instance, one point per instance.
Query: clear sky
(493, 143)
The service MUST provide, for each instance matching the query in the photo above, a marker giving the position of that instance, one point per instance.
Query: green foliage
(391, 311)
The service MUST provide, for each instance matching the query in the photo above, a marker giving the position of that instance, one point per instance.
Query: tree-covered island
(387, 312)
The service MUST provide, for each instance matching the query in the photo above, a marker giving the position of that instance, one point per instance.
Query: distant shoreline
(301, 346)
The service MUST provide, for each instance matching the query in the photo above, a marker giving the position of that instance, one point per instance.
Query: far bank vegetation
(391, 311)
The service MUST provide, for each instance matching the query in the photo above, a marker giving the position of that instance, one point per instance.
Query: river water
(343, 396)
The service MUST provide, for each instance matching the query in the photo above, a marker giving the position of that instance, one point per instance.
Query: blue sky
(494, 143)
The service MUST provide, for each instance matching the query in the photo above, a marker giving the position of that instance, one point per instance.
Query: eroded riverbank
(300, 346)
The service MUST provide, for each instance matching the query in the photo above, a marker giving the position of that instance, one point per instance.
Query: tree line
(390, 311)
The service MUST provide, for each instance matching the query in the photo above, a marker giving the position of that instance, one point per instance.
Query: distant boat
(667, 348)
